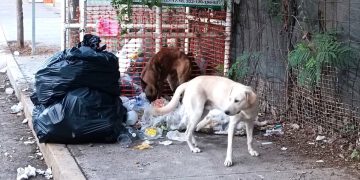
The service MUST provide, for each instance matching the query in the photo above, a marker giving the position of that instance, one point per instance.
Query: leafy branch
(124, 7)
(241, 67)
(312, 55)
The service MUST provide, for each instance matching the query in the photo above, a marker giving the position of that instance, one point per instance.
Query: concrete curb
(57, 156)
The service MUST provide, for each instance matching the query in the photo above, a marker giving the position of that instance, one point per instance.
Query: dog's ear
(250, 97)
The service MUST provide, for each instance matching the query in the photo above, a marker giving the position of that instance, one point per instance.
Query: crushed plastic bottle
(124, 140)
(277, 130)
(127, 138)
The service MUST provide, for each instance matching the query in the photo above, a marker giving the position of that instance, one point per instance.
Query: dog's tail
(173, 103)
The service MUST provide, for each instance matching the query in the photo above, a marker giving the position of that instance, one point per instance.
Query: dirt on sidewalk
(17, 144)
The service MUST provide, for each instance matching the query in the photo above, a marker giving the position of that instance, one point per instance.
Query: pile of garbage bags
(76, 96)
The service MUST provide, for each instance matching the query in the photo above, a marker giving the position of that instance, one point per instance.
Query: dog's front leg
(249, 136)
(232, 123)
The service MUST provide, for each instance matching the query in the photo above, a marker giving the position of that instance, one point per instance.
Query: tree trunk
(20, 23)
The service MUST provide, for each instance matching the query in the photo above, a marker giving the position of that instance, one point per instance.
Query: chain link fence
(301, 56)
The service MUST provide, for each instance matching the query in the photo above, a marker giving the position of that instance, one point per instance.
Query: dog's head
(150, 91)
(240, 98)
(149, 82)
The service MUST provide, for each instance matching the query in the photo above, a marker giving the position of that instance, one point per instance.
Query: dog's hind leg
(190, 139)
(249, 136)
(205, 113)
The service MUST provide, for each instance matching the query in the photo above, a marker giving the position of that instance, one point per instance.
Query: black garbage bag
(83, 116)
(76, 68)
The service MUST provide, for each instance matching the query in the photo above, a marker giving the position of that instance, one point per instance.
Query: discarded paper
(165, 143)
(17, 108)
(320, 138)
(25, 173)
(25, 121)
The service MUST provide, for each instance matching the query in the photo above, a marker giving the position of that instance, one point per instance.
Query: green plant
(124, 6)
(241, 67)
(311, 56)
(355, 155)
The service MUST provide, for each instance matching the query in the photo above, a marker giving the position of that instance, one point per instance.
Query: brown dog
(169, 64)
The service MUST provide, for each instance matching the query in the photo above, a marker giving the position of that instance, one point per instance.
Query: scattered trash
(176, 136)
(143, 146)
(3, 70)
(148, 142)
(320, 161)
(311, 143)
(47, 174)
(153, 133)
(132, 118)
(266, 143)
(25, 121)
(320, 138)
(16, 53)
(277, 130)
(17, 108)
(295, 126)
(6, 154)
(165, 143)
(277, 126)
(25, 173)
(284, 148)
(2, 87)
(261, 176)
(124, 140)
(138, 103)
(9, 91)
(171, 121)
(29, 142)
(341, 156)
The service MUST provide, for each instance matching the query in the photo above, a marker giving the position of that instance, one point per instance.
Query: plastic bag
(84, 115)
(77, 68)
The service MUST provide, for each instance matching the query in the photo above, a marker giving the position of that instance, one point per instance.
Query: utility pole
(20, 23)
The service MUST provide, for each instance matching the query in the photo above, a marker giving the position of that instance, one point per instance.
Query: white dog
(205, 93)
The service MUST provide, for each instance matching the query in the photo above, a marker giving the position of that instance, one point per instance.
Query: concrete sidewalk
(111, 161)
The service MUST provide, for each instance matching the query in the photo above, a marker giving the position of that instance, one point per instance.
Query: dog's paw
(253, 152)
(228, 162)
(195, 150)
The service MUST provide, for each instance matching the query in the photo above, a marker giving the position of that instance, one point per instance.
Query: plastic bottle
(127, 138)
